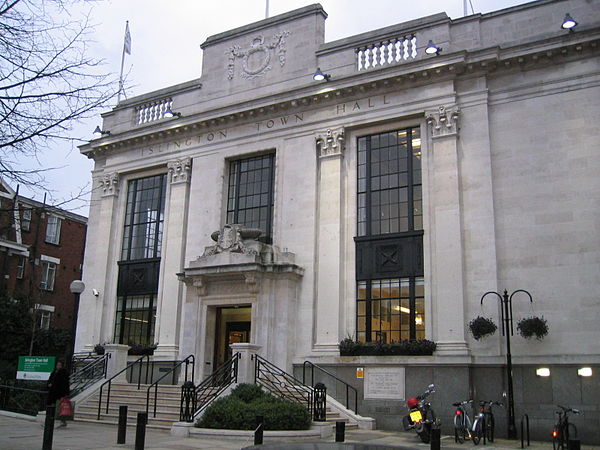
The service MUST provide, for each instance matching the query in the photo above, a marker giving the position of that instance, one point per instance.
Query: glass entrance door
(233, 326)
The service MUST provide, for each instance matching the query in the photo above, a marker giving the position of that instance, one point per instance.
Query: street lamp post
(507, 330)
(76, 287)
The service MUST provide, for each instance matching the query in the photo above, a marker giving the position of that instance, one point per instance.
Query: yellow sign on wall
(360, 372)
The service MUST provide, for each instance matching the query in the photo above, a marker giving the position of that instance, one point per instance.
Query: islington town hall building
(383, 190)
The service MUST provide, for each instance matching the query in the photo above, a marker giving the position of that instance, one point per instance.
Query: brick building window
(53, 230)
(45, 320)
(21, 267)
(26, 220)
(48, 275)
(250, 194)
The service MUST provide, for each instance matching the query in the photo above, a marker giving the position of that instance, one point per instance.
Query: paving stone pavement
(17, 433)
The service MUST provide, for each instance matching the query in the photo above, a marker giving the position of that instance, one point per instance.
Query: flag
(127, 44)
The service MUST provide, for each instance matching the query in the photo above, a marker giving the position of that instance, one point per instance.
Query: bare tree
(48, 81)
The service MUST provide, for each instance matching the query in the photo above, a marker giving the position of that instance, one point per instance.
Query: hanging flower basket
(533, 327)
(481, 327)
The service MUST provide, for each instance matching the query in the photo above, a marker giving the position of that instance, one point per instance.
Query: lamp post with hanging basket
(507, 330)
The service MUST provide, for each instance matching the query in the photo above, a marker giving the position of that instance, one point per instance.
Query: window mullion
(412, 307)
(411, 210)
(368, 187)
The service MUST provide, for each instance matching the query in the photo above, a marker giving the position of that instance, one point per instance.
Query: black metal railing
(22, 400)
(347, 386)
(82, 359)
(88, 374)
(282, 384)
(172, 372)
(130, 366)
(194, 399)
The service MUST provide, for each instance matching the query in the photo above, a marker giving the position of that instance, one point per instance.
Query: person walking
(58, 387)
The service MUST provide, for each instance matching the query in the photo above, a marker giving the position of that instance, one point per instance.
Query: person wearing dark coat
(58, 386)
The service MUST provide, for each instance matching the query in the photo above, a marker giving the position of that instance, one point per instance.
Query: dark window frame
(389, 174)
(238, 179)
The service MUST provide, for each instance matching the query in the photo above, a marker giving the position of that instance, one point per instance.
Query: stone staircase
(167, 408)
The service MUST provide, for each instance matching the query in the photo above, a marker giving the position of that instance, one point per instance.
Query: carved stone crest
(256, 59)
(231, 239)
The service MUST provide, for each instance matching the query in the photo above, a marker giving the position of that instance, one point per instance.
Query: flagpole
(266, 9)
(122, 64)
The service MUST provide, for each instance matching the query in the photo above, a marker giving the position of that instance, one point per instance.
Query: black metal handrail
(22, 400)
(281, 383)
(194, 399)
(312, 382)
(189, 360)
(109, 381)
(89, 374)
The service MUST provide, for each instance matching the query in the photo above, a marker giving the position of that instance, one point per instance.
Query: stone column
(330, 151)
(447, 255)
(172, 261)
(99, 268)
(246, 363)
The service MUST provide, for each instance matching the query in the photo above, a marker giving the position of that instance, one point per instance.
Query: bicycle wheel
(459, 428)
(477, 431)
(489, 428)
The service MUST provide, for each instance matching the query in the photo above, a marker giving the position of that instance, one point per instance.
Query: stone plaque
(384, 383)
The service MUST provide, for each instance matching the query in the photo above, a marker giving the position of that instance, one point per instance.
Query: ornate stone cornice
(180, 170)
(332, 143)
(444, 121)
(109, 183)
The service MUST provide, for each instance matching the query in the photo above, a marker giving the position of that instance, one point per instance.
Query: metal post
(320, 402)
(507, 330)
(340, 431)
(49, 427)
(436, 437)
(140, 431)
(258, 433)
(122, 431)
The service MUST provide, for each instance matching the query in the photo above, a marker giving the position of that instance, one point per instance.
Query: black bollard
(49, 427)
(258, 433)
(436, 438)
(122, 431)
(140, 430)
(574, 444)
(340, 431)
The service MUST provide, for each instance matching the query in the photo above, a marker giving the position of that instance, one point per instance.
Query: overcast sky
(166, 38)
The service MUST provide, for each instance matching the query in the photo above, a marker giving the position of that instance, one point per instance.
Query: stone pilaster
(328, 302)
(98, 272)
(447, 262)
(172, 262)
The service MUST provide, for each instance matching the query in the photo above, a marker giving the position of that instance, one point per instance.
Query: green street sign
(35, 367)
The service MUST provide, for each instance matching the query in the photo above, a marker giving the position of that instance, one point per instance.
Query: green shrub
(238, 411)
(248, 392)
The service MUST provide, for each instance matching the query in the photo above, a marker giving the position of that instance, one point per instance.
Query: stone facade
(510, 190)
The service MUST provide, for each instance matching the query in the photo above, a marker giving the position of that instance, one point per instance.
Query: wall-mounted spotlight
(568, 23)
(168, 114)
(542, 372)
(584, 372)
(320, 76)
(98, 133)
(432, 49)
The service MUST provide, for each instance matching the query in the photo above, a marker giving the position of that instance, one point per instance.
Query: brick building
(41, 253)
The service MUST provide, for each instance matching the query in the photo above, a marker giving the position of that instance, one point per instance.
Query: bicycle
(484, 422)
(462, 422)
(563, 429)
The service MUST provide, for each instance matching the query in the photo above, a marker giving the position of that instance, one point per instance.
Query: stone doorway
(233, 327)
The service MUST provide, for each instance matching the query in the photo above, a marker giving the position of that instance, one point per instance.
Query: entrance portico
(240, 290)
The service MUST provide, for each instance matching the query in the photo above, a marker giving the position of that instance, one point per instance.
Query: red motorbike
(421, 416)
